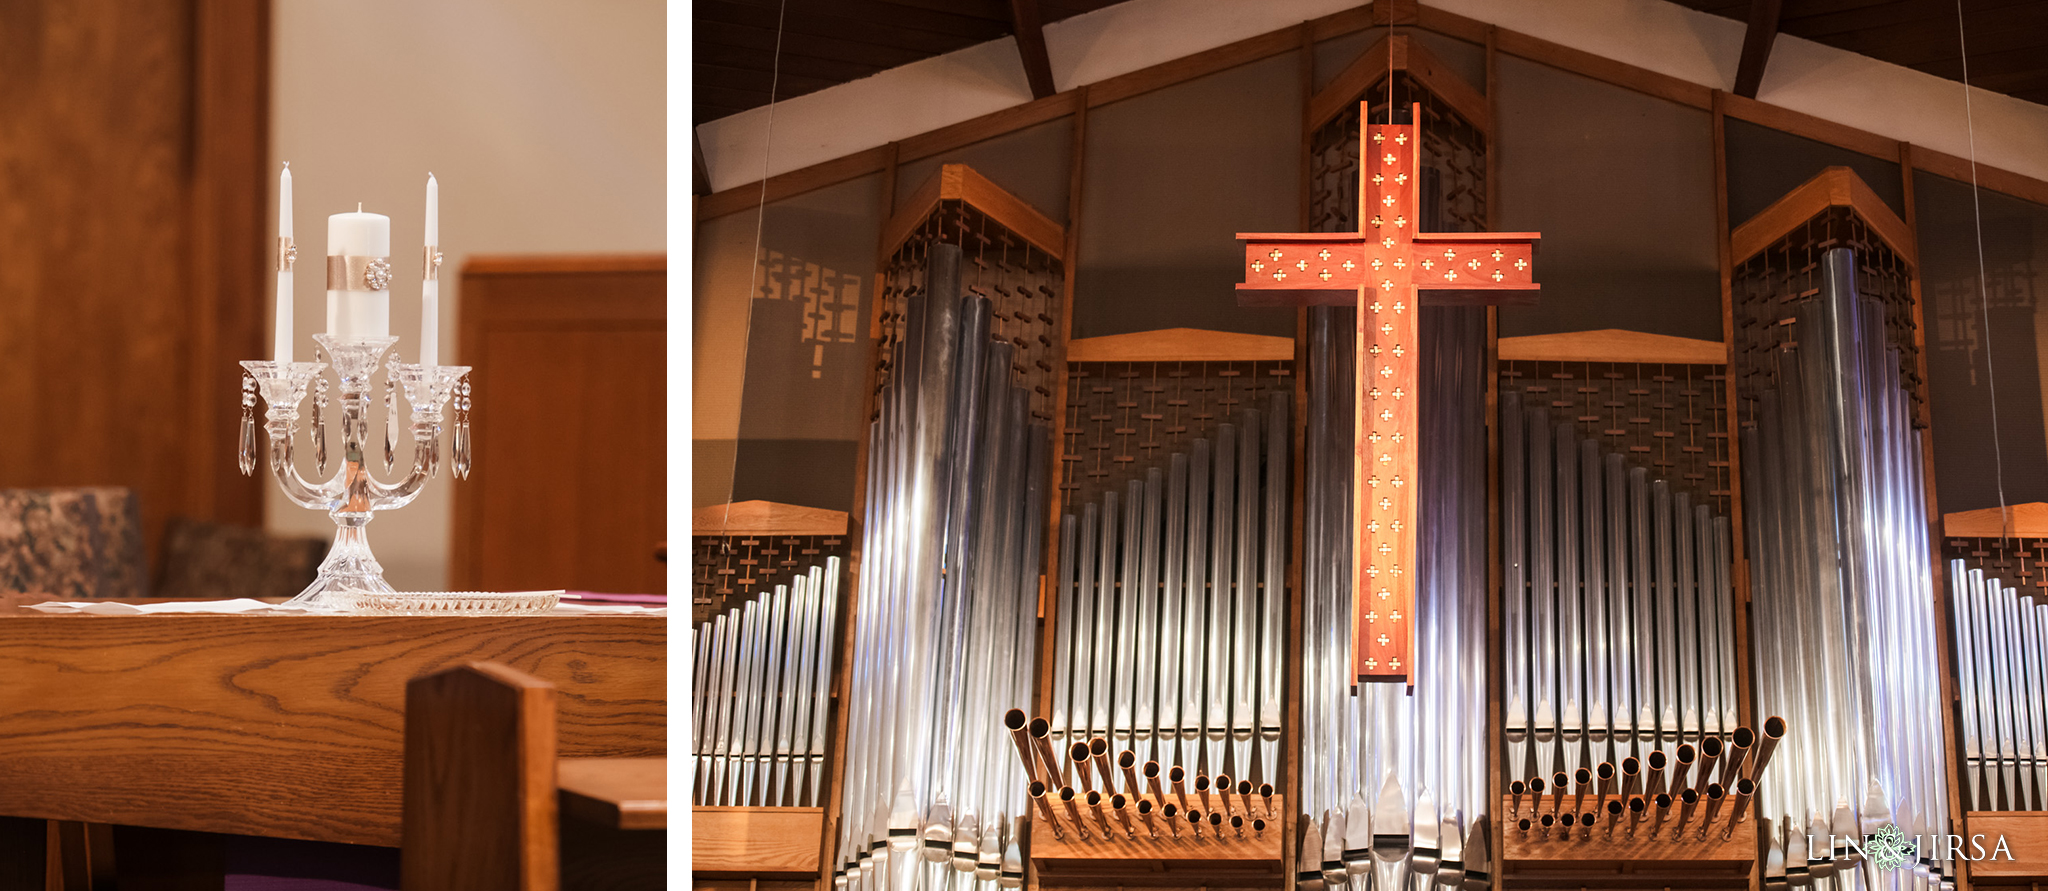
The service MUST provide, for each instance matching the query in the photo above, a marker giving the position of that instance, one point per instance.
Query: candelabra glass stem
(349, 567)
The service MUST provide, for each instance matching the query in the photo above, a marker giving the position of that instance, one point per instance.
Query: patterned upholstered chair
(203, 560)
(82, 542)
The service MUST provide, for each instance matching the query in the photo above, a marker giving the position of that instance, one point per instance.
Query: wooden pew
(282, 726)
(484, 809)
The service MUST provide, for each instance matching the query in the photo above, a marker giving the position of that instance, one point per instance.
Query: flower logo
(1888, 849)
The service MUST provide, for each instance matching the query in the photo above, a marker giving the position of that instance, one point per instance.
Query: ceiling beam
(1030, 24)
(1756, 46)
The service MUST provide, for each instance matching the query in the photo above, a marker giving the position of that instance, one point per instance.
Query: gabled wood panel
(766, 518)
(1181, 345)
(1833, 187)
(1399, 53)
(2028, 520)
(959, 182)
(1613, 345)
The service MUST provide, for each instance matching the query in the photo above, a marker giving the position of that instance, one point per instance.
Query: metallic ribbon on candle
(287, 253)
(358, 273)
(430, 262)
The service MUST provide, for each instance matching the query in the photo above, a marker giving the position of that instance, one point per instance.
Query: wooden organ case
(1828, 401)
(1997, 599)
(765, 579)
(1167, 620)
(1621, 646)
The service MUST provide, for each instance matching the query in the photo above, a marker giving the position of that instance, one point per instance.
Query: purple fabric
(278, 864)
(599, 597)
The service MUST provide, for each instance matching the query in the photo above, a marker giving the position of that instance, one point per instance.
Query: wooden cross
(1389, 269)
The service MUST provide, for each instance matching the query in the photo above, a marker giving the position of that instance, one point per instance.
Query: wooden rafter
(1833, 187)
(1251, 49)
(1030, 30)
(959, 182)
(1756, 46)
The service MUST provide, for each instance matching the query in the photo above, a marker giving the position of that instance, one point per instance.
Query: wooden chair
(489, 806)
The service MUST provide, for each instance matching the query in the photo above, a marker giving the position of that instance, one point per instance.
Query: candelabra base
(349, 570)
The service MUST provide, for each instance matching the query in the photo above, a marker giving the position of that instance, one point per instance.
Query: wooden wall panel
(131, 257)
(570, 424)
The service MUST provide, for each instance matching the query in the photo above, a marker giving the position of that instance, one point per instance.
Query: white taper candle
(430, 289)
(281, 340)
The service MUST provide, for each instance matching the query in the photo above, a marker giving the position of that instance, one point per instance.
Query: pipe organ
(2000, 672)
(1839, 556)
(1676, 616)
(958, 456)
(767, 609)
(1994, 561)
(762, 686)
(1618, 618)
(1384, 799)
(1172, 584)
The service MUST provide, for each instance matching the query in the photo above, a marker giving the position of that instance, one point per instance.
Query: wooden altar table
(283, 726)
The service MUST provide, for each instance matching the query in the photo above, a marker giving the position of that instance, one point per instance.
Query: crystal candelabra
(352, 496)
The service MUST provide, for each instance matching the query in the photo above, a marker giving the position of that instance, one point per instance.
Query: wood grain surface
(2026, 837)
(1531, 860)
(2029, 520)
(1181, 345)
(288, 726)
(1832, 187)
(766, 518)
(570, 356)
(622, 793)
(756, 842)
(131, 180)
(480, 781)
(1613, 345)
(959, 182)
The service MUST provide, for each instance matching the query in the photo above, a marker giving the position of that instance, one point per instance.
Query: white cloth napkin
(246, 606)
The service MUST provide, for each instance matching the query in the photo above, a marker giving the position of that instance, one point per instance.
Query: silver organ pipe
(945, 640)
(1388, 799)
(763, 681)
(1174, 605)
(1621, 648)
(1618, 634)
(2001, 614)
(1840, 573)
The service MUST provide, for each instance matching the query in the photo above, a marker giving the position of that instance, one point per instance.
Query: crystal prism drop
(320, 426)
(248, 455)
(390, 423)
(461, 445)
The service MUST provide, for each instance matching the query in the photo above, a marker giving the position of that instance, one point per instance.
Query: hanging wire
(754, 269)
(1983, 290)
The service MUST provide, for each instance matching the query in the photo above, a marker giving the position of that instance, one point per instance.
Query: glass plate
(452, 603)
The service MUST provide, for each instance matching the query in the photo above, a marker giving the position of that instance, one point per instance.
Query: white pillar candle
(430, 289)
(353, 309)
(281, 339)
